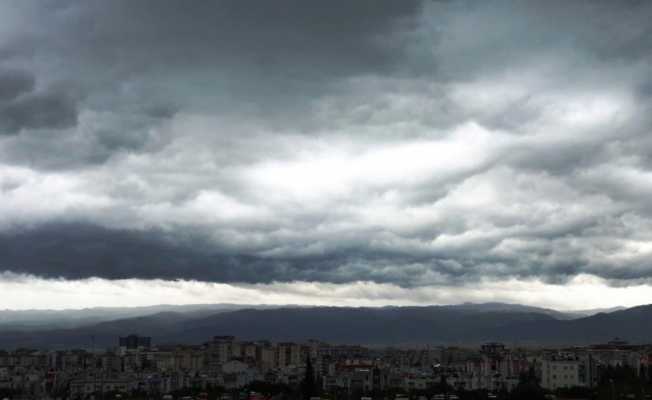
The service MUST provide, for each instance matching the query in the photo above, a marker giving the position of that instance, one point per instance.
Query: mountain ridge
(408, 325)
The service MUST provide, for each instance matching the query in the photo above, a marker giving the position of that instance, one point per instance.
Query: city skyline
(362, 153)
(224, 367)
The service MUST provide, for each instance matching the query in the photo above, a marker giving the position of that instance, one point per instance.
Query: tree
(308, 387)
(528, 388)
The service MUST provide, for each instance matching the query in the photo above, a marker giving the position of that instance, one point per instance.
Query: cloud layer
(579, 293)
(401, 143)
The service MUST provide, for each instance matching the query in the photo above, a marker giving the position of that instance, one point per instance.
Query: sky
(357, 153)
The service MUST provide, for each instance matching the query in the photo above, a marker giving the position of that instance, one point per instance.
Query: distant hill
(28, 320)
(633, 324)
(466, 324)
(499, 307)
(574, 314)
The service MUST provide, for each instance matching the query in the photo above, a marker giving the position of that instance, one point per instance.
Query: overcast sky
(325, 152)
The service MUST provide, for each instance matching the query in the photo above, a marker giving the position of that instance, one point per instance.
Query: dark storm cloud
(14, 82)
(394, 141)
(284, 40)
(227, 58)
(23, 107)
(161, 110)
(51, 110)
(81, 250)
(77, 251)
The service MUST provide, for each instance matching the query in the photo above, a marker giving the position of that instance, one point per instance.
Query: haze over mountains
(462, 324)
(48, 319)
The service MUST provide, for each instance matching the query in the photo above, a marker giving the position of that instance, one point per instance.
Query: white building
(560, 373)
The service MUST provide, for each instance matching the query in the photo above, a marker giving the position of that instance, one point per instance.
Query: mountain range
(463, 324)
(49, 319)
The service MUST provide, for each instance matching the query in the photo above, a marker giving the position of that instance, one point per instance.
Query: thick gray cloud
(21, 107)
(401, 142)
(53, 110)
(13, 83)
(142, 62)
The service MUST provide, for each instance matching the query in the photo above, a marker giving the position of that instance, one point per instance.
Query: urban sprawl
(226, 368)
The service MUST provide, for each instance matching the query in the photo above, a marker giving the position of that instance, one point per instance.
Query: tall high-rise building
(134, 341)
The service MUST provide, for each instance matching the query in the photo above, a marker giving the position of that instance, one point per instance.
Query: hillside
(436, 325)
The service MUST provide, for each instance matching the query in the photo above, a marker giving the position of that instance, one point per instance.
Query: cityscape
(224, 367)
